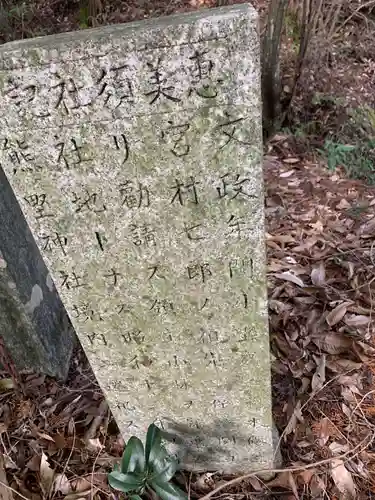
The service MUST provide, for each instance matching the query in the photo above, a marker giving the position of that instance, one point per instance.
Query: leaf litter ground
(59, 440)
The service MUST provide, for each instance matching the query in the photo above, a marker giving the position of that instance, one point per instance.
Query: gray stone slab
(141, 178)
(34, 324)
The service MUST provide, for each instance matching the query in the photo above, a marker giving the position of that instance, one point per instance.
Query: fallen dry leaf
(341, 365)
(337, 313)
(343, 204)
(287, 174)
(287, 276)
(291, 161)
(343, 479)
(61, 484)
(285, 480)
(332, 343)
(317, 487)
(323, 430)
(46, 474)
(296, 417)
(338, 449)
(319, 376)
(34, 463)
(318, 275)
(305, 476)
(82, 495)
(80, 484)
(349, 395)
(307, 245)
(45, 436)
(204, 482)
(94, 444)
(5, 492)
(357, 320)
(255, 484)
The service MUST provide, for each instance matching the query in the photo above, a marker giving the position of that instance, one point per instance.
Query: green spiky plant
(146, 468)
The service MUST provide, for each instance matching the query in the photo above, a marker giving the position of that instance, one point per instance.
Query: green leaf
(133, 459)
(346, 147)
(168, 472)
(167, 491)
(125, 482)
(163, 465)
(153, 442)
(135, 497)
(158, 457)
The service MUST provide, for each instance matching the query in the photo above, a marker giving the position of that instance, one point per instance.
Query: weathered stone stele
(140, 175)
(34, 326)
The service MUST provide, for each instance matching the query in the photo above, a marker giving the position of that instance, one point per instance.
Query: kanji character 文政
(229, 129)
(233, 186)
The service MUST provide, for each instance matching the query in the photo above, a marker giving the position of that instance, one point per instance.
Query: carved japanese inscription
(135, 153)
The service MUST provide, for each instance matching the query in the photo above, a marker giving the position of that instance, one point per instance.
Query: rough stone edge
(128, 29)
(34, 355)
(21, 308)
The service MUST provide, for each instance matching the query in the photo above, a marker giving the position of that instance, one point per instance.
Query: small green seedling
(149, 468)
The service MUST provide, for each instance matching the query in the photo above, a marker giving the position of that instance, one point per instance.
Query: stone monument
(34, 326)
(140, 176)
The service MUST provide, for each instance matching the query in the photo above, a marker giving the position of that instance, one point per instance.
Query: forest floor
(60, 440)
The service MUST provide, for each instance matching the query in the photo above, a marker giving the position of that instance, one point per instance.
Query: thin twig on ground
(356, 450)
(356, 11)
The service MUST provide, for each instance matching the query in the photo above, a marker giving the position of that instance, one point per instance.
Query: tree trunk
(271, 82)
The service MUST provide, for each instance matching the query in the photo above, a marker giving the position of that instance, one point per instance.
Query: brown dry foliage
(320, 236)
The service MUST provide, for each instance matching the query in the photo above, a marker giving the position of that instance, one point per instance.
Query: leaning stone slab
(138, 167)
(34, 325)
